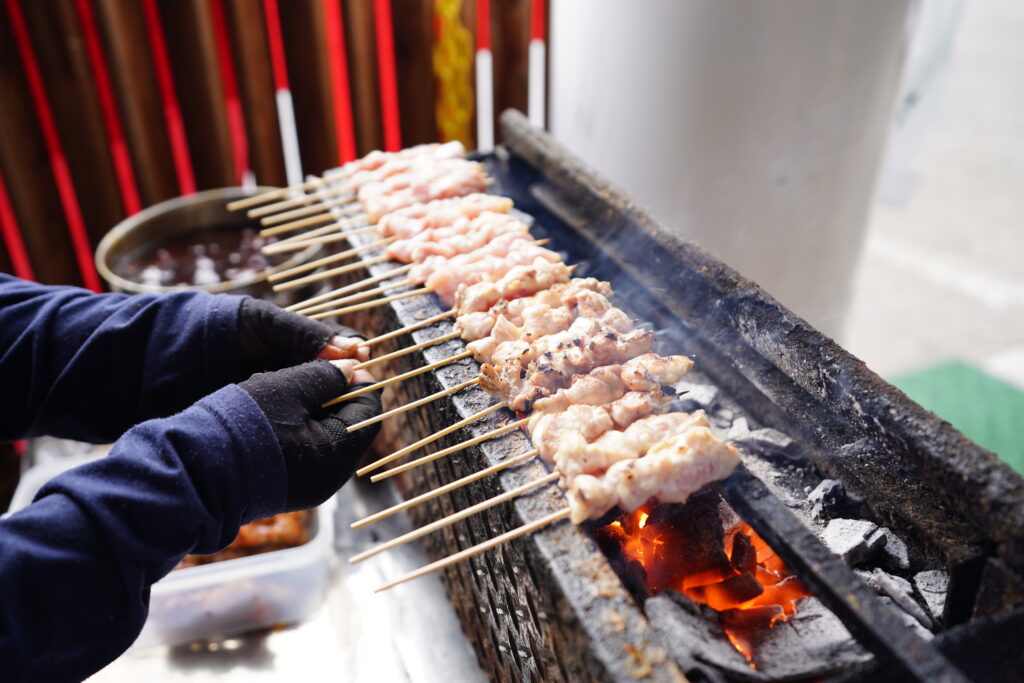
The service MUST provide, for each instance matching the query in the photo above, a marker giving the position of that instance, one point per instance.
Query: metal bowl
(194, 213)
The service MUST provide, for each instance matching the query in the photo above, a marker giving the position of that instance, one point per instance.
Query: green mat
(986, 410)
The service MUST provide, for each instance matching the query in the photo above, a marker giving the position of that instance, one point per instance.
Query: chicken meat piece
(517, 282)
(539, 314)
(377, 158)
(463, 236)
(651, 371)
(523, 373)
(378, 199)
(671, 471)
(581, 421)
(479, 266)
(599, 386)
(412, 220)
(574, 457)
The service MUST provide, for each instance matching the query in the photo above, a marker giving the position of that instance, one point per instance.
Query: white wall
(754, 128)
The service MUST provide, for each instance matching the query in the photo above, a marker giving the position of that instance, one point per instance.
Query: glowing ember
(733, 571)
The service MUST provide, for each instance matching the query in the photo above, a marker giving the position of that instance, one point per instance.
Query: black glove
(319, 454)
(271, 338)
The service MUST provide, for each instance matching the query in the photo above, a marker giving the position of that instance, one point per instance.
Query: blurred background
(863, 161)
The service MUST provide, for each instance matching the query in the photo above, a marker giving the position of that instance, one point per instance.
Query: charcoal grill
(552, 607)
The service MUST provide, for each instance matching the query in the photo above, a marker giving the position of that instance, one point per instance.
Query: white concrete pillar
(754, 128)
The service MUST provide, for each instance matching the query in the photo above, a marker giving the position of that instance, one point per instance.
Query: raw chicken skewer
(408, 222)
(369, 162)
(450, 178)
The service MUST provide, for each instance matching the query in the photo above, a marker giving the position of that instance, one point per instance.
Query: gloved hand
(320, 455)
(271, 338)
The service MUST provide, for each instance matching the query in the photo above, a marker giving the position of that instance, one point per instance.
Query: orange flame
(745, 581)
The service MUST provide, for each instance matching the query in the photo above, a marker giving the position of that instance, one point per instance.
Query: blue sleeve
(87, 366)
(76, 565)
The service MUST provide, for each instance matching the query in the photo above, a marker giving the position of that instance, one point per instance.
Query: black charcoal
(768, 442)
(826, 499)
(849, 538)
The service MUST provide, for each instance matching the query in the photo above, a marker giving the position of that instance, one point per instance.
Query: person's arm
(85, 366)
(77, 564)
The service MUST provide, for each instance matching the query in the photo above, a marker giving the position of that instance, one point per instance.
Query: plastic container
(231, 596)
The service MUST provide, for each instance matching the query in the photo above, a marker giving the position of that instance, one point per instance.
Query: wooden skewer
(441, 490)
(308, 234)
(271, 195)
(300, 200)
(312, 265)
(325, 235)
(306, 210)
(292, 202)
(359, 296)
(480, 547)
(298, 246)
(340, 270)
(327, 239)
(415, 404)
(350, 288)
(504, 429)
(399, 378)
(433, 437)
(326, 260)
(409, 328)
(325, 217)
(455, 517)
(289, 204)
(370, 304)
(407, 349)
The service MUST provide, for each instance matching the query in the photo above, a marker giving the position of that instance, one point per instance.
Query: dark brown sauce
(200, 258)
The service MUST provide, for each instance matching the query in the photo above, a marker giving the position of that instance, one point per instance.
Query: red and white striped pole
(232, 102)
(172, 110)
(537, 87)
(340, 94)
(283, 95)
(111, 120)
(58, 162)
(387, 76)
(484, 78)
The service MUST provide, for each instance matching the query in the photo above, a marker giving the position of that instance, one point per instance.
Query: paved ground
(942, 276)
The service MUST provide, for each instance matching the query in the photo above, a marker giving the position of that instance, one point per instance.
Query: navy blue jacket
(76, 565)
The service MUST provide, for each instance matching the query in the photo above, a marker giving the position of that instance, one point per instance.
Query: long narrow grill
(551, 602)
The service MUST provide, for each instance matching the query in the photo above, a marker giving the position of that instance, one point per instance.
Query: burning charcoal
(755, 617)
(899, 590)
(895, 555)
(734, 591)
(768, 443)
(743, 555)
(634, 577)
(848, 538)
(696, 396)
(694, 632)
(932, 585)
